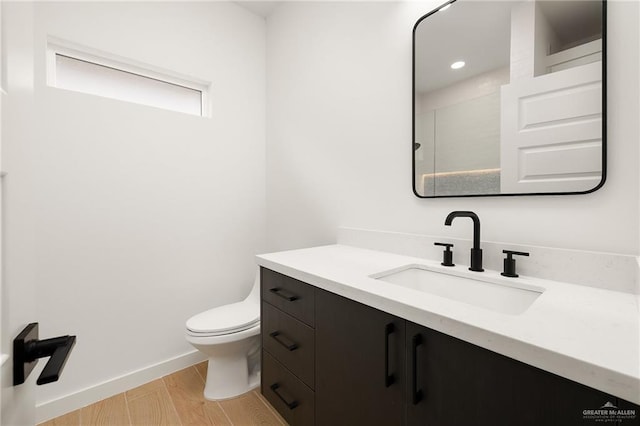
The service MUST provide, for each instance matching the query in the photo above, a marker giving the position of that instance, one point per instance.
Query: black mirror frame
(604, 117)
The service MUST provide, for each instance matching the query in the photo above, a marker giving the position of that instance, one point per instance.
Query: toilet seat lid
(224, 319)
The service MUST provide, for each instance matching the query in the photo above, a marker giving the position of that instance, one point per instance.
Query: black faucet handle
(510, 253)
(447, 254)
(510, 263)
(447, 245)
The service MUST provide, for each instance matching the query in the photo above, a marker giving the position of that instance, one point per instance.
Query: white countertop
(586, 334)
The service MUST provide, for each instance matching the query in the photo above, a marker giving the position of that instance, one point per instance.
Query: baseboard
(59, 406)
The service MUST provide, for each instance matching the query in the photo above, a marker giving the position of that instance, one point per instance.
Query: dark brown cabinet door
(360, 367)
(452, 382)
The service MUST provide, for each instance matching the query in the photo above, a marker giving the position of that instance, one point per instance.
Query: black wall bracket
(27, 349)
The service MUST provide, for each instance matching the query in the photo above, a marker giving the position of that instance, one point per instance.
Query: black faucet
(476, 251)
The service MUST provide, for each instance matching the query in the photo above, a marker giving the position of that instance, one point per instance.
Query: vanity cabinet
(452, 382)
(288, 346)
(360, 363)
(350, 364)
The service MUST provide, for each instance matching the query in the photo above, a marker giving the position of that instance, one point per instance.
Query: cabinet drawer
(293, 399)
(290, 341)
(289, 295)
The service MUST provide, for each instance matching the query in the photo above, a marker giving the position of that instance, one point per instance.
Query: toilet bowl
(229, 336)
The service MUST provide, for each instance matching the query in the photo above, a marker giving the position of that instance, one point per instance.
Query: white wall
(142, 217)
(339, 137)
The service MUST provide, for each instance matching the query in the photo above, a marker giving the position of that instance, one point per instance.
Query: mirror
(509, 98)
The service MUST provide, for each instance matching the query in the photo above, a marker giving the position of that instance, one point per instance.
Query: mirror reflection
(508, 98)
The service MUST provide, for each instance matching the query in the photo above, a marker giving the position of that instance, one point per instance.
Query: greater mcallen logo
(609, 413)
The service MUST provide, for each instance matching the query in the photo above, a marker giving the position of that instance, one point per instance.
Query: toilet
(230, 337)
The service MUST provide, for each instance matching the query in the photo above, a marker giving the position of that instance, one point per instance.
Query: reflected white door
(551, 132)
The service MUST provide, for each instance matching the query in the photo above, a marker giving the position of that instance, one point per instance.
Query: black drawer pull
(388, 378)
(280, 292)
(290, 346)
(416, 394)
(293, 404)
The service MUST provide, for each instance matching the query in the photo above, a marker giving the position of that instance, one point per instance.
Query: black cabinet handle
(389, 379)
(281, 293)
(416, 394)
(290, 346)
(293, 404)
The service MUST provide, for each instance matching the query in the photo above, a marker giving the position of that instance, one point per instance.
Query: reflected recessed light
(457, 65)
(445, 7)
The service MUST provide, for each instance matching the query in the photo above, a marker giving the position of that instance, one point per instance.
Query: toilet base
(230, 377)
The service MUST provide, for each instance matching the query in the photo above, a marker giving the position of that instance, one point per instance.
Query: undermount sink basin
(496, 294)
